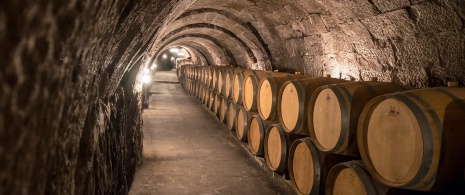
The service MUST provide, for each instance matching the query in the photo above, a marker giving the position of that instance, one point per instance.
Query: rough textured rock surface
(70, 112)
(69, 70)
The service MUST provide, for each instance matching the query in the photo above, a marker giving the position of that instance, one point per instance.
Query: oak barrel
(216, 104)
(223, 112)
(415, 139)
(267, 95)
(351, 178)
(211, 100)
(309, 167)
(250, 88)
(256, 134)
(292, 110)
(238, 83)
(276, 147)
(231, 115)
(242, 123)
(333, 113)
(229, 80)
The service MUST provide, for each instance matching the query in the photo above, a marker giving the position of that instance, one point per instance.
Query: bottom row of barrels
(310, 170)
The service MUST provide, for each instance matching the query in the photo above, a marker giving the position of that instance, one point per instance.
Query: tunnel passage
(70, 73)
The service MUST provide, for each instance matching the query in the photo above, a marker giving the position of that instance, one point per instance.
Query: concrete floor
(187, 150)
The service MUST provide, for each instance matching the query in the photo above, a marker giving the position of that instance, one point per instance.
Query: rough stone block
(390, 5)
(313, 66)
(314, 45)
(433, 18)
(330, 22)
(416, 52)
(283, 15)
(286, 32)
(314, 6)
(297, 10)
(348, 10)
(335, 42)
(404, 25)
(451, 47)
(313, 25)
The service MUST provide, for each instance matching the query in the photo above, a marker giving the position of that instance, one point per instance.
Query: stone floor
(187, 150)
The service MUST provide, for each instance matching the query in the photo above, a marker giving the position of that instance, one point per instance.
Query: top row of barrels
(407, 138)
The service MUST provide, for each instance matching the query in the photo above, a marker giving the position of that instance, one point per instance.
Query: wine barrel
(309, 167)
(223, 113)
(267, 96)
(256, 134)
(292, 110)
(351, 178)
(242, 123)
(276, 145)
(414, 139)
(231, 115)
(204, 96)
(216, 104)
(333, 113)
(250, 88)
(211, 100)
(229, 80)
(238, 83)
(221, 79)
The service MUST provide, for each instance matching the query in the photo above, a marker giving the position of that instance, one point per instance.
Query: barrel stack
(334, 136)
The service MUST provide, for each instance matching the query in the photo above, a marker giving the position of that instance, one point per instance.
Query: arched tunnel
(72, 93)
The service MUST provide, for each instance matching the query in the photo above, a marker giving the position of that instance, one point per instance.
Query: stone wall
(70, 111)
(413, 42)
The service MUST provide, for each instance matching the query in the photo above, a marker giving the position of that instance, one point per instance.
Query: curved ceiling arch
(203, 47)
(229, 15)
(216, 47)
(194, 26)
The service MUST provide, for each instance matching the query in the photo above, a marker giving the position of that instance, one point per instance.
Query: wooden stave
(223, 109)
(262, 125)
(244, 125)
(324, 162)
(230, 77)
(255, 78)
(211, 101)
(346, 93)
(239, 77)
(425, 179)
(221, 80)
(216, 104)
(371, 186)
(231, 116)
(286, 141)
(275, 83)
(304, 84)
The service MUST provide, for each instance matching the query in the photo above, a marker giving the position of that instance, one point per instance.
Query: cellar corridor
(187, 151)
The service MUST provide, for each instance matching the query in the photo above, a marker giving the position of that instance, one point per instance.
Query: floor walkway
(187, 151)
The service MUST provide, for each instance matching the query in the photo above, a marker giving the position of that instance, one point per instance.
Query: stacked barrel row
(341, 137)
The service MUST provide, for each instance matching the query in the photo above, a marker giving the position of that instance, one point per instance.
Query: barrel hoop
(262, 134)
(428, 147)
(274, 98)
(301, 94)
(345, 114)
(457, 100)
(316, 166)
(284, 148)
(369, 89)
(362, 174)
(254, 89)
(255, 73)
